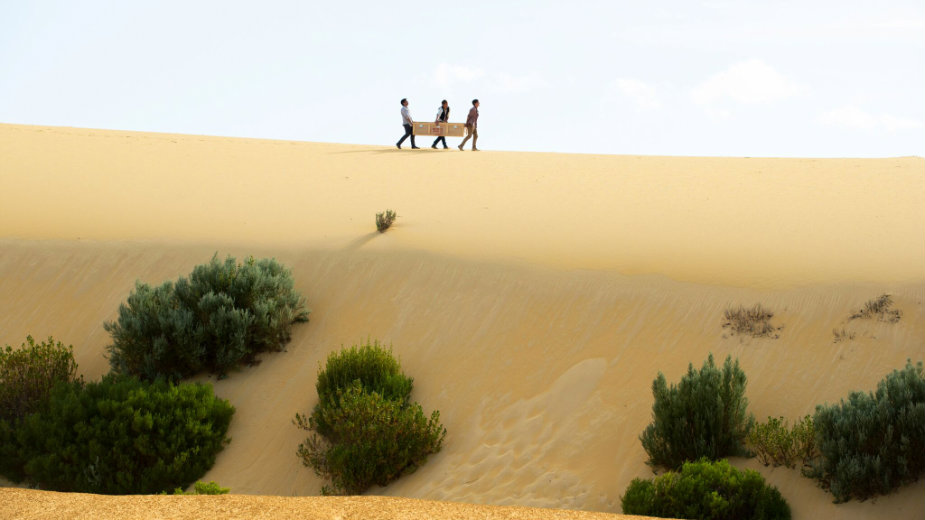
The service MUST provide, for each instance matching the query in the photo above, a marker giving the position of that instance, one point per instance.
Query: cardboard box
(444, 129)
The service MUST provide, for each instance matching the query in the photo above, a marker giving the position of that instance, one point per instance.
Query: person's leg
(443, 140)
(407, 133)
(475, 137)
(411, 133)
(468, 135)
(437, 140)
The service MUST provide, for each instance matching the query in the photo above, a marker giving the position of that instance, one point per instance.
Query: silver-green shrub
(224, 314)
(874, 442)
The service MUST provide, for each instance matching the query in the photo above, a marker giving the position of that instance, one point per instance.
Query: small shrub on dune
(776, 444)
(706, 490)
(384, 220)
(224, 314)
(28, 374)
(364, 431)
(873, 443)
(705, 415)
(120, 436)
(754, 321)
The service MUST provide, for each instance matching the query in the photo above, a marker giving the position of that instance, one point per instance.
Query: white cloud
(854, 118)
(446, 74)
(643, 95)
(747, 82)
(518, 84)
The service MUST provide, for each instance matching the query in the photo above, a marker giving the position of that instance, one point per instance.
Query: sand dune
(533, 297)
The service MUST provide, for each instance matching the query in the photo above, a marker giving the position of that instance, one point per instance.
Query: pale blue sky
(731, 78)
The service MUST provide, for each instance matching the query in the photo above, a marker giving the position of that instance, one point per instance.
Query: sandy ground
(533, 297)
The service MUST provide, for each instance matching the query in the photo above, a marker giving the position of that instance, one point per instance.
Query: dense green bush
(775, 443)
(373, 366)
(223, 315)
(365, 430)
(203, 488)
(874, 442)
(371, 440)
(119, 436)
(703, 416)
(707, 490)
(28, 374)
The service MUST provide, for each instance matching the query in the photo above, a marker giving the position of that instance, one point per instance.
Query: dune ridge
(536, 343)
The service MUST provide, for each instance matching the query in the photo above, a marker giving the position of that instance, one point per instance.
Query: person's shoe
(475, 150)
(398, 146)
(445, 147)
(433, 146)
(415, 147)
(460, 148)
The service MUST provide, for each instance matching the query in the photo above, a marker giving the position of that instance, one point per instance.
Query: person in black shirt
(443, 115)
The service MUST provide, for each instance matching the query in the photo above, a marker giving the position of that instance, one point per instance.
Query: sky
(809, 78)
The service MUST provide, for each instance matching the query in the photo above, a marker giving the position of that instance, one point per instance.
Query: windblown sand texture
(533, 297)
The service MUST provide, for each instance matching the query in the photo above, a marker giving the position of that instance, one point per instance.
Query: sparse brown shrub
(879, 308)
(842, 335)
(753, 321)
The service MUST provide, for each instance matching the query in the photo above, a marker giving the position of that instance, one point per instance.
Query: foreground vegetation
(365, 430)
(117, 436)
(707, 490)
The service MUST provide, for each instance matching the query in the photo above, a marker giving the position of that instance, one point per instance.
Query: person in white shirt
(406, 122)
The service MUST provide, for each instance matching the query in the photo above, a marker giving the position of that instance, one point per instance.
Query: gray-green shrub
(118, 436)
(224, 314)
(28, 374)
(705, 415)
(873, 443)
(706, 490)
(364, 430)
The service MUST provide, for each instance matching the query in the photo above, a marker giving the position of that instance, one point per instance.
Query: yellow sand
(533, 297)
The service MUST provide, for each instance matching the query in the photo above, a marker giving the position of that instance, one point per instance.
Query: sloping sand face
(533, 297)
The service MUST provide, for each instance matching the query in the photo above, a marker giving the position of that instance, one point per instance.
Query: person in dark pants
(443, 115)
(406, 122)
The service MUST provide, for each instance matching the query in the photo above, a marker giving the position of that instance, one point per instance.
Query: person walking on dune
(407, 122)
(472, 124)
(443, 115)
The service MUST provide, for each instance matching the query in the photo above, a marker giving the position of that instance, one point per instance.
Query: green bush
(384, 220)
(119, 436)
(703, 416)
(707, 490)
(371, 440)
(202, 488)
(365, 430)
(223, 315)
(774, 443)
(874, 442)
(28, 374)
(373, 366)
